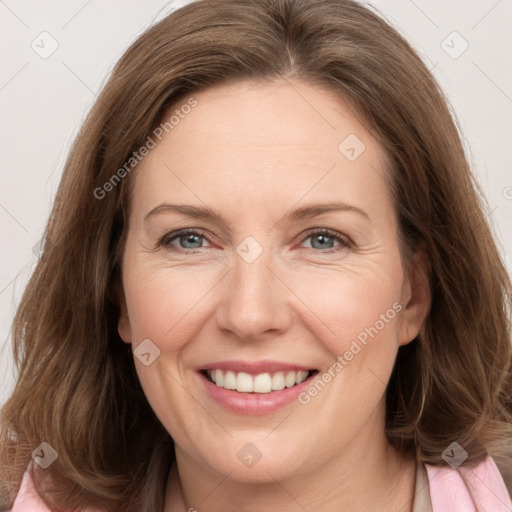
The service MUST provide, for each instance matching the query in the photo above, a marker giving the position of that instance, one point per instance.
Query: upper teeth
(261, 383)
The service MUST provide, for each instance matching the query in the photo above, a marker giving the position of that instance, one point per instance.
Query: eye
(187, 240)
(325, 238)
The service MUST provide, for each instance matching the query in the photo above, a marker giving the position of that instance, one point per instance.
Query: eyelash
(345, 242)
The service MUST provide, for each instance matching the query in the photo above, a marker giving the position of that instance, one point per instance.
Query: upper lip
(253, 367)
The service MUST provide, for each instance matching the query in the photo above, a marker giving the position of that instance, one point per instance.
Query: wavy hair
(77, 388)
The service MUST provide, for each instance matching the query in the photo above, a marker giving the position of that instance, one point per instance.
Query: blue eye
(189, 240)
(323, 239)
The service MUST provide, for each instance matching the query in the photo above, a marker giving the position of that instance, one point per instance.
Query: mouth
(261, 383)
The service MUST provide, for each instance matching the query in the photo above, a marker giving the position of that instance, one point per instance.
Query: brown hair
(77, 387)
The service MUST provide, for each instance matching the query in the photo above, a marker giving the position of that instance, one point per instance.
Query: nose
(255, 304)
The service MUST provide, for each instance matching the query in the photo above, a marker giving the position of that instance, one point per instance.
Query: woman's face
(298, 270)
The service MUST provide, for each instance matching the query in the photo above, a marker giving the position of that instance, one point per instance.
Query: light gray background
(44, 100)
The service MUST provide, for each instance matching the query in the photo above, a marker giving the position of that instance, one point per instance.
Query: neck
(369, 476)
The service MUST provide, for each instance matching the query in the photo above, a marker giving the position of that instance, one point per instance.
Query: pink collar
(449, 492)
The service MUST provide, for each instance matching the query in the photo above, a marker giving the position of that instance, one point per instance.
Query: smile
(267, 382)
(254, 388)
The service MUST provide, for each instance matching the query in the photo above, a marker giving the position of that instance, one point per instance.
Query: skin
(254, 152)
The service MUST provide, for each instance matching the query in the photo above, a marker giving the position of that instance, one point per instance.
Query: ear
(416, 296)
(123, 323)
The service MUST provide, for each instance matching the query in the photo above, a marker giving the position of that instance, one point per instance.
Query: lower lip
(254, 404)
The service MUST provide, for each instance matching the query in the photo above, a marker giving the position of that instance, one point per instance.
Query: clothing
(438, 489)
(449, 492)
(422, 501)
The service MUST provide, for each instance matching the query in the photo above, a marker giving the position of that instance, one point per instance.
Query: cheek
(360, 304)
(359, 313)
(167, 306)
(164, 303)
(338, 305)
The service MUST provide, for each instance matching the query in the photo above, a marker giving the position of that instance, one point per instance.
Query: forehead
(268, 114)
(278, 141)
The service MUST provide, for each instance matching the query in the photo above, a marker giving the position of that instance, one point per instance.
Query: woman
(336, 336)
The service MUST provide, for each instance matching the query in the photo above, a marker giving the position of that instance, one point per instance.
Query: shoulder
(468, 489)
(27, 499)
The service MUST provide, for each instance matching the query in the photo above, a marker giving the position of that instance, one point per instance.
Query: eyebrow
(303, 213)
